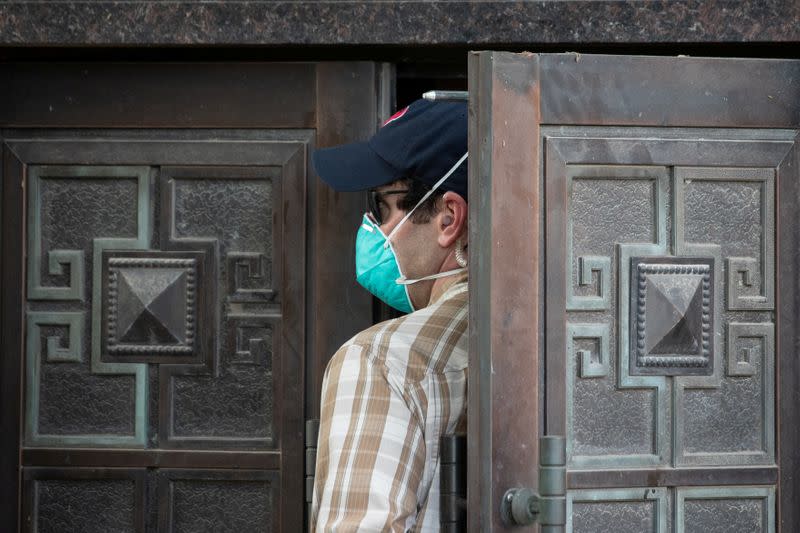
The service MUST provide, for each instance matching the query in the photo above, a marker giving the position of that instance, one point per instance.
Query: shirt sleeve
(371, 450)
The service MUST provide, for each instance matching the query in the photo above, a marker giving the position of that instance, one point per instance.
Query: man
(392, 391)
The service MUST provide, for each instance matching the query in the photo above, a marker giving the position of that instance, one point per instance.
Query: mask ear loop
(402, 280)
(427, 195)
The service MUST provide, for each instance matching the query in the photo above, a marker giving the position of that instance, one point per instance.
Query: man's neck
(441, 285)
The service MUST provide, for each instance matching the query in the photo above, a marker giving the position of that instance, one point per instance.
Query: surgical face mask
(377, 268)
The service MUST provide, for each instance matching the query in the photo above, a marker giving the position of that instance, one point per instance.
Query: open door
(634, 292)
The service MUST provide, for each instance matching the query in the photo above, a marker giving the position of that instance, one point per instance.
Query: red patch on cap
(395, 116)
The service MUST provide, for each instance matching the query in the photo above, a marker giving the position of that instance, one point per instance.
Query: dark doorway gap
(405, 54)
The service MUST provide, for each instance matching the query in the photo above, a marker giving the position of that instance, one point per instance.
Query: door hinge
(523, 506)
(312, 434)
(453, 484)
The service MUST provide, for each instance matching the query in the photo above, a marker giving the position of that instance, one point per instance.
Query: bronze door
(171, 274)
(633, 290)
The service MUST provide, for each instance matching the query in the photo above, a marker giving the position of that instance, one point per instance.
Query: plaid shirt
(388, 396)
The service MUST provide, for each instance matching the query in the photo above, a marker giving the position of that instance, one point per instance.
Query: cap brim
(352, 167)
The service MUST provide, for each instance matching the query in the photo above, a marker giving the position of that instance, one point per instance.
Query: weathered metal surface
(12, 294)
(231, 213)
(86, 499)
(622, 510)
(312, 436)
(588, 199)
(669, 91)
(787, 337)
(196, 500)
(723, 509)
(151, 458)
(503, 403)
(84, 401)
(649, 438)
(347, 100)
(172, 148)
(237, 382)
(592, 225)
(640, 206)
(735, 206)
(672, 477)
(553, 483)
(143, 95)
(233, 201)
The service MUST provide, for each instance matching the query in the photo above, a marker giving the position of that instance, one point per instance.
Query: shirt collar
(448, 286)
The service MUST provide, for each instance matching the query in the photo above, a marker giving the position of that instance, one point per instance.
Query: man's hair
(429, 208)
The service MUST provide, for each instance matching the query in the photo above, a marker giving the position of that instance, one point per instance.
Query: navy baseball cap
(421, 142)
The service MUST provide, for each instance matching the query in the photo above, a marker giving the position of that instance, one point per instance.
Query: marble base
(333, 22)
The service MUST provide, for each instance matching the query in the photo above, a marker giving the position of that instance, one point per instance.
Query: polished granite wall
(334, 22)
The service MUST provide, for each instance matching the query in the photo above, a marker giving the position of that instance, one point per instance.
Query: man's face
(415, 245)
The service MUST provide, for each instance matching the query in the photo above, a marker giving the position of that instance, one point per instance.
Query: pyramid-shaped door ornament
(672, 305)
(150, 306)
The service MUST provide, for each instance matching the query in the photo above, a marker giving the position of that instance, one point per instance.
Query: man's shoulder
(433, 338)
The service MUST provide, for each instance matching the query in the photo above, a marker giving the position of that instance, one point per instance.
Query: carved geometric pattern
(741, 363)
(744, 266)
(587, 265)
(656, 385)
(599, 264)
(73, 353)
(80, 263)
(593, 363)
(674, 322)
(151, 305)
(249, 277)
(235, 214)
(741, 273)
(56, 259)
(253, 345)
(741, 359)
(669, 412)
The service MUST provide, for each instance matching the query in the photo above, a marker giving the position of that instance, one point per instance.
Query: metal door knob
(520, 507)
(523, 506)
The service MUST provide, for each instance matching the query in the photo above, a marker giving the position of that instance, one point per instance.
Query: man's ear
(452, 219)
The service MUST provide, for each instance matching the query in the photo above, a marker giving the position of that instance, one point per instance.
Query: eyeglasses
(375, 199)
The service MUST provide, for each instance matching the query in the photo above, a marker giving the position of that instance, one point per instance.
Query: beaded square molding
(151, 306)
(672, 305)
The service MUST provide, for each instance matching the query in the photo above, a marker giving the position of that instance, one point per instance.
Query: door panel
(669, 321)
(167, 363)
(671, 370)
(70, 499)
(661, 331)
(184, 326)
(191, 500)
